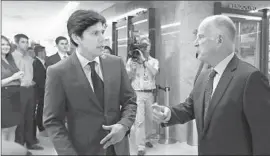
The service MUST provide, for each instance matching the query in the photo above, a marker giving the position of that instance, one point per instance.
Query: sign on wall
(242, 7)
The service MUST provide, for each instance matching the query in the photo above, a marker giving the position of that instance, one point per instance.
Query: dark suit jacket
(67, 86)
(238, 117)
(39, 77)
(52, 59)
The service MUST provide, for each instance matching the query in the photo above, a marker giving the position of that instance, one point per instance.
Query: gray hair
(223, 23)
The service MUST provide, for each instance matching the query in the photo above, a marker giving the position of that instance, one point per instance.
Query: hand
(142, 58)
(18, 75)
(133, 65)
(117, 133)
(161, 114)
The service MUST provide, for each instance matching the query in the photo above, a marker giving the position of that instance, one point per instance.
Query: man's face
(23, 44)
(42, 54)
(31, 53)
(92, 40)
(206, 44)
(62, 46)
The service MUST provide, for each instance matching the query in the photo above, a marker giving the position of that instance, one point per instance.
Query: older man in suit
(92, 90)
(230, 101)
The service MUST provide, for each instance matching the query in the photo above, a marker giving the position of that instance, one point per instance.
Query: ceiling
(34, 18)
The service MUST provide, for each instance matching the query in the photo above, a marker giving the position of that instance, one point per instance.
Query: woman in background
(10, 96)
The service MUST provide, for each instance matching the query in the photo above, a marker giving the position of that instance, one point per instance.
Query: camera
(134, 53)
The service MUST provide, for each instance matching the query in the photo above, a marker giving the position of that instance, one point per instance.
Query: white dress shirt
(86, 68)
(62, 56)
(220, 68)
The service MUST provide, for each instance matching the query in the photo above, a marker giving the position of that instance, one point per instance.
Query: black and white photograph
(135, 78)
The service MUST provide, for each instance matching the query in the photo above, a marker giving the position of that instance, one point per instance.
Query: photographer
(142, 70)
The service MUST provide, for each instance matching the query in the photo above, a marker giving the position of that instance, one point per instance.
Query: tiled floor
(158, 149)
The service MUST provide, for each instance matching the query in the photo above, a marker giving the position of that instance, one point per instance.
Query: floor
(158, 149)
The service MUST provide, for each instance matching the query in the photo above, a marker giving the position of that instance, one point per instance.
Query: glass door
(247, 44)
(269, 53)
(121, 28)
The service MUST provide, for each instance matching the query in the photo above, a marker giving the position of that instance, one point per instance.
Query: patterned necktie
(98, 85)
(208, 91)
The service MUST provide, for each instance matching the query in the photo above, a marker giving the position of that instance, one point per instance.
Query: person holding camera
(142, 70)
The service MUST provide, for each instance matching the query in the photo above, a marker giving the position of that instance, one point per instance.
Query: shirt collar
(18, 53)
(42, 60)
(84, 61)
(221, 66)
(62, 55)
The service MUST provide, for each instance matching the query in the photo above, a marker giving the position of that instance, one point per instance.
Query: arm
(130, 71)
(127, 100)
(182, 112)
(153, 68)
(256, 110)
(6, 81)
(54, 113)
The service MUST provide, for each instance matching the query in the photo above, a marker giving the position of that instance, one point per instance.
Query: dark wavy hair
(80, 20)
(5, 38)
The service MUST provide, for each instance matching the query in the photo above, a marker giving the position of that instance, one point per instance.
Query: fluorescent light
(170, 25)
(121, 27)
(122, 39)
(122, 46)
(131, 13)
(139, 22)
(169, 33)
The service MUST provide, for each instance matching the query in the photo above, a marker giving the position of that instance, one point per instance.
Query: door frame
(264, 40)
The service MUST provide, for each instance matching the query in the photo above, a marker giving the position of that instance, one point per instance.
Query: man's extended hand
(117, 133)
(161, 114)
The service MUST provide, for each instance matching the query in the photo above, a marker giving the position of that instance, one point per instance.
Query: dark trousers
(38, 120)
(24, 131)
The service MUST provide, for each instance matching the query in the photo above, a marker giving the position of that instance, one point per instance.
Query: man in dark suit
(230, 101)
(62, 53)
(94, 89)
(39, 77)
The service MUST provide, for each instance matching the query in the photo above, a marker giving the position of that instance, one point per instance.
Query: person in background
(10, 92)
(62, 53)
(107, 50)
(24, 131)
(31, 52)
(39, 77)
(142, 71)
(230, 101)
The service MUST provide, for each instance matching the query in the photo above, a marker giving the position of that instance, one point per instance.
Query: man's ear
(220, 39)
(75, 38)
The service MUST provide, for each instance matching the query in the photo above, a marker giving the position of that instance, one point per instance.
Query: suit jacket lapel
(220, 90)
(105, 68)
(83, 81)
(57, 58)
(201, 101)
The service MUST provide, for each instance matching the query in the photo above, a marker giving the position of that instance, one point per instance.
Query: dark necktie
(208, 91)
(98, 85)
